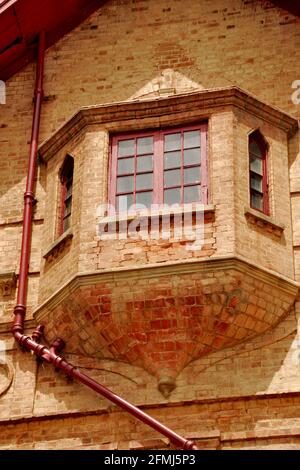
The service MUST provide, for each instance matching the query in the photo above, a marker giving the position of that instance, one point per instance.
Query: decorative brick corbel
(8, 282)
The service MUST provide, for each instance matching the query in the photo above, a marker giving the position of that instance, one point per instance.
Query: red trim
(24, 19)
(29, 197)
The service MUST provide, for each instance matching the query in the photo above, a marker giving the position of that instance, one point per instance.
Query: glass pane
(192, 194)
(69, 189)
(172, 142)
(256, 183)
(125, 165)
(126, 147)
(125, 184)
(254, 148)
(144, 181)
(68, 206)
(144, 199)
(144, 145)
(144, 163)
(256, 165)
(192, 175)
(172, 196)
(172, 178)
(67, 223)
(172, 160)
(257, 202)
(192, 156)
(191, 139)
(124, 202)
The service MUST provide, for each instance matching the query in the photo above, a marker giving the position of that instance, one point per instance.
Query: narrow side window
(259, 189)
(66, 193)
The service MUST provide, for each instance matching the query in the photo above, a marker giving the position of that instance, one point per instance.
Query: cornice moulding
(187, 107)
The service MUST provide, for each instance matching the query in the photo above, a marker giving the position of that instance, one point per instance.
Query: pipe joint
(39, 93)
(20, 310)
(23, 341)
(190, 445)
(41, 351)
(38, 333)
(18, 325)
(57, 346)
(29, 197)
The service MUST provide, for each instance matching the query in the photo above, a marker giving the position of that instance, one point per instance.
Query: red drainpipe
(32, 343)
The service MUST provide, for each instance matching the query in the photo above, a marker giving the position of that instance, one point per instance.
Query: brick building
(147, 102)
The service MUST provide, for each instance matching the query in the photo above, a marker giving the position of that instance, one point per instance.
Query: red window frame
(257, 137)
(66, 195)
(158, 170)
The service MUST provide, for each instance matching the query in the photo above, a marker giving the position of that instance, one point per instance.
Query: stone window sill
(122, 220)
(264, 221)
(59, 243)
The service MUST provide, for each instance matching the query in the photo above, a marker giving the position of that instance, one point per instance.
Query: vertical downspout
(29, 198)
(32, 343)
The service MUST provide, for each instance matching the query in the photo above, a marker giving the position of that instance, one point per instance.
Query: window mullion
(204, 172)
(135, 171)
(113, 174)
(182, 168)
(158, 168)
(265, 186)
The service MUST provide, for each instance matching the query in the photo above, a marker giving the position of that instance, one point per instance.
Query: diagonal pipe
(50, 355)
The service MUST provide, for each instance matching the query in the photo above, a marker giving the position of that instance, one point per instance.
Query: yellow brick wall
(113, 56)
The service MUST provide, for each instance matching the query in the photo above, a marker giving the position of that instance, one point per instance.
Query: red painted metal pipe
(50, 356)
(32, 343)
(29, 199)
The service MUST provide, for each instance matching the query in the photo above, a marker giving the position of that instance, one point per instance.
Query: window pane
(144, 145)
(257, 202)
(144, 181)
(192, 194)
(68, 206)
(192, 156)
(144, 198)
(256, 183)
(69, 190)
(67, 223)
(172, 196)
(256, 165)
(254, 148)
(172, 178)
(192, 175)
(125, 165)
(125, 184)
(172, 142)
(172, 160)
(124, 202)
(191, 139)
(126, 147)
(144, 163)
